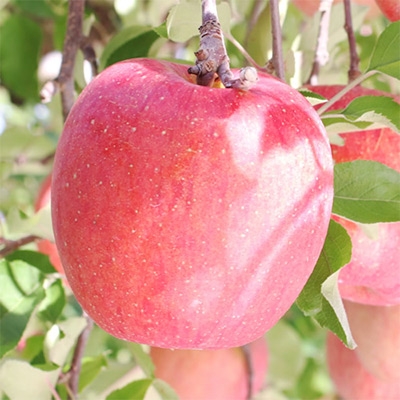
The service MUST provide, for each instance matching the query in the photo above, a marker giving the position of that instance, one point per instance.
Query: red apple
(390, 8)
(351, 379)
(212, 374)
(372, 276)
(46, 246)
(187, 216)
(376, 330)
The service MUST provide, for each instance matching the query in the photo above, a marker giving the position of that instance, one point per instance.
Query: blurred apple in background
(390, 8)
(212, 374)
(45, 246)
(352, 380)
(376, 330)
(310, 7)
(372, 276)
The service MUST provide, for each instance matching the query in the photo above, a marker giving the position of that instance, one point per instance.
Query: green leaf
(135, 390)
(19, 381)
(386, 56)
(131, 42)
(19, 56)
(259, 41)
(91, 367)
(142, 358)
(33, 258)
(312, 300)
(333, 315)
(184, 20)
(21, 291)
(164, 390)
(312, 97)
(33, 347)
(377, 109)
(367, 192)
(51, 307)
(61, 338)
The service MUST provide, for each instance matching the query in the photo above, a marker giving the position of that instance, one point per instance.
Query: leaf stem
(212, 60)
(277, 52)
(250, 369)
(75, 370)
(346, 89)
(9, 246)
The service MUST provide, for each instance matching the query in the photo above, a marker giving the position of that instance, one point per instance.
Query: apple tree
(203, 212)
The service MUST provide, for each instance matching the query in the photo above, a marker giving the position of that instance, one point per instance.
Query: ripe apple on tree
(212, 374)
(376, 330)
(188, 216)
(352, 380)
(372, 276)
(310, 7)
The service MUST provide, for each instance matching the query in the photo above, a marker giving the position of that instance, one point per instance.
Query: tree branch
(354, 71)
(277, 52)
(9, 246)
(321, 56)
(75, 370)
(212, 60)
(250, 370)
(73, 41)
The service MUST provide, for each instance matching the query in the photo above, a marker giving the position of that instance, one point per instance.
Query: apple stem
(250, 371)
(354, 71)
(212, 60)
(9, 246)
(76, 364)
(277, 52)
(321, 56)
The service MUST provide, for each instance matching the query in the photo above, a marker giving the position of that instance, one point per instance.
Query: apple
(390, 9)
(376, 330)
(372, 276)
(212, 374)
(187, 216)
(310, 7)
(46, 246)
(351, 379)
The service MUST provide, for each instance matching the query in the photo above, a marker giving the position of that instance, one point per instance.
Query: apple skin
(186, 216)
(376, 330)
(372, 276)
(46, 246)
(351, 379)
(211, 374)
(390, 9)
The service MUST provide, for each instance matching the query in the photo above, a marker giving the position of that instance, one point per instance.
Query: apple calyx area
(185, 216)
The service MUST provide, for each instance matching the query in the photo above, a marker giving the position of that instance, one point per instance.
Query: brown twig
(76, 364)
(89, 54)
(250, 370)
(9, 246)
(321, 56)
(212, 60)
(72, 43)
(354, 71)
(277, 52)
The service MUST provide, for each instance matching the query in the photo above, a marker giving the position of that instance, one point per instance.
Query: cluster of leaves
(40, 320)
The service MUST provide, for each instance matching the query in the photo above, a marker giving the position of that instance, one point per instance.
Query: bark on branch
(212, 60)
